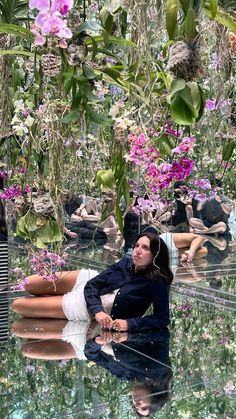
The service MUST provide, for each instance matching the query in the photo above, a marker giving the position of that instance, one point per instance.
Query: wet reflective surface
(57, 369)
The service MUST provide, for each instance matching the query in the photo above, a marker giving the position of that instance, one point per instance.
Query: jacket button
(115, 305)
(118, 293)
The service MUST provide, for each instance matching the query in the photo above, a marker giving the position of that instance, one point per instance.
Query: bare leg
(49, 349)
(197, 224)
(191, 240)
(38, 286)
(189, 212)
(40, 307)
(219, 228)
(30, 328)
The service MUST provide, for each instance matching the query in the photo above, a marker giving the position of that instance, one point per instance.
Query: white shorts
(73, 303)
(75, 333)
(168, 239)
(173, 251)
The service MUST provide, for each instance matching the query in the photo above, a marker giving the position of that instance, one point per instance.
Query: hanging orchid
(49, 20)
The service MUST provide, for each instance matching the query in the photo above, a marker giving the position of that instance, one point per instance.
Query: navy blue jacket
(143, 355)
(136, 294)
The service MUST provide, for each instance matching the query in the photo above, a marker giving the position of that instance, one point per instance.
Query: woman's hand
(103, 319)
(104, 338)
(119, 325)
(118, 337)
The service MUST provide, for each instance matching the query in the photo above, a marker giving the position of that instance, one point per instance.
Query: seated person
(212, 216)
(109, 296)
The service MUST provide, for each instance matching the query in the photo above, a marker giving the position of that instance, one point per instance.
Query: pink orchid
(52, 24)
(39, 4)
(62, 6)
(185, 146)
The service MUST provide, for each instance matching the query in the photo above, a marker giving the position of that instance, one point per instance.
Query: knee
(18, 305)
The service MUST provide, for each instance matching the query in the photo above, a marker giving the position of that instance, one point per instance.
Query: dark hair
(160, 265)
(160, 392)
(131, 227)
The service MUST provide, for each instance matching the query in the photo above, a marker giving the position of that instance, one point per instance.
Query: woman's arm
(160, 317)
(93, 289)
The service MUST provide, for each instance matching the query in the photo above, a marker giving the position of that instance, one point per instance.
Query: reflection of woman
(117, 298)
(143, 357)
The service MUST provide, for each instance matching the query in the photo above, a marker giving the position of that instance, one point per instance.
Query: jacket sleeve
(93, 289)
(160, 317)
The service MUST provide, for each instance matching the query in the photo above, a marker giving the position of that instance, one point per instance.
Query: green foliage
(16, 30)
(11, 11)
(172, 8)
(186, 102)
(220, 15)
(40, 230)
(228, 150)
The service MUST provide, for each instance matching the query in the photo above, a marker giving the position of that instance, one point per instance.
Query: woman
(117, 298)
(187, 246)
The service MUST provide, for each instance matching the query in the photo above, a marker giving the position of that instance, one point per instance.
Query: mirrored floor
(59, 369)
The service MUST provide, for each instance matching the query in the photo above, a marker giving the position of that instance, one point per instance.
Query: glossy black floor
(56, 369)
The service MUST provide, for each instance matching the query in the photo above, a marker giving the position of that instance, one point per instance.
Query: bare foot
(187, 256)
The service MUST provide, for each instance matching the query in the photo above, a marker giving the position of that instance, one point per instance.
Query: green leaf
(69, 84)
(195, 94)
(21, 228)
(56, 231)
(186, 95)
(86, 89)
(98, 118)
(106, 19)
(202, 105)
(16, 52)
(190, 24)
(95, 47)
(89, 72)
(111, 72)
(16, 30)
(180, 111)
(213, 7)
(73, 116)
(39, 243)
(172, 8)
(31, 221)
(125, 190)
(224, 18)
(228, 150)
(164, 147)
(184, 5)
(50, 232)
(113, 40)
(118, 215)
(89, 25)
(105, 178)
(176, 85)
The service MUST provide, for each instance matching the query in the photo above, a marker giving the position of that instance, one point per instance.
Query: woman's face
(142, 255)
(141, 400)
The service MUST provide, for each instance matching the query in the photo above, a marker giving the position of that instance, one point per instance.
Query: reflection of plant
(39, 224)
